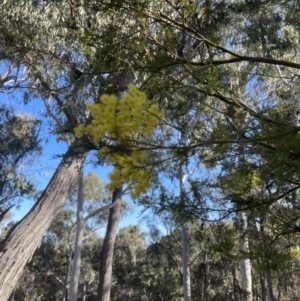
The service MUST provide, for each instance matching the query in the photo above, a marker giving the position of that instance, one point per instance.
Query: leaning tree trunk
(22, 240)
(108, 248)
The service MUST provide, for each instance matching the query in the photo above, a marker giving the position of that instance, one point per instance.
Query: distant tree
(18, 144)
(90, 190)
(129, 257)
(44, 277)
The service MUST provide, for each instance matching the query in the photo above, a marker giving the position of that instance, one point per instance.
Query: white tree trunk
(185, 244)
(84, 290)
(67, 277)
(80, 223)
(185, 265)
(245, 264)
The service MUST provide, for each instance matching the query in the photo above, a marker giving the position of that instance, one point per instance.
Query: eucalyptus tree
(73, 51)
(46, 44)
(63, 64)
(90, 190)
(61, 241)
(208, 50)
(19, 143)
(129, 258)
(249, 119)
(46, 273)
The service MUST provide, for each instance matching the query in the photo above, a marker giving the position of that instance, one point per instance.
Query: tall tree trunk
(185, 265)
(84, 289)
(185, 243)
(22, 240)
(80, 223)
(108, 248)
(245, 265)
(67, 276)
(263, 287)
(264, 239)
(270, 286)
(234, 282)
(206, 275)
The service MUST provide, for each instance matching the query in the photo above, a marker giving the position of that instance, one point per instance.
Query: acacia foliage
(236, 85)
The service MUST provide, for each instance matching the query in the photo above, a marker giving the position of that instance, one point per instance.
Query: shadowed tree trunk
(22, 240)
(67, 276)
(262, 285)
(108, 248)
(265, 248)
(245, 264)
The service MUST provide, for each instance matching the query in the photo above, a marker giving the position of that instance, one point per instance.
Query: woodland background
(212, 155)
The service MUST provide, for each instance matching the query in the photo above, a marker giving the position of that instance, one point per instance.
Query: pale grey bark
(23, 239)
(86, 282)
(104, 287)
(65, 296)
(67, 277)
(80, 224)
(245, 264)
(78, 241)
(84, 290)
(97, 211)
(185, 264)
(185, 244)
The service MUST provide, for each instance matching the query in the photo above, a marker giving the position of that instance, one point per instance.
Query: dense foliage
(18, 145)
(148, 267)
(211, 131)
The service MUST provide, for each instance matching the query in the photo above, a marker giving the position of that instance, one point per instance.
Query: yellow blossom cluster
(129, 169)
(120, 120)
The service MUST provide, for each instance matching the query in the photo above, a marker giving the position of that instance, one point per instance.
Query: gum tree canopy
(232, 66)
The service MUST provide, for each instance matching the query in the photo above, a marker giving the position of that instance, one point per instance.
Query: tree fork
(23, 239)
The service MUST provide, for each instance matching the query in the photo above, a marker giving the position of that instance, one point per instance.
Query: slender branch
(237, 57)
(4, 212)
(104, 208)
(48, 109)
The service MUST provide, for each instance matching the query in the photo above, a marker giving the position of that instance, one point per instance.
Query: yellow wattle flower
(121, 120)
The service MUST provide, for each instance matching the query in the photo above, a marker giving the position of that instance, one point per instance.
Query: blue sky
(44, 167)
